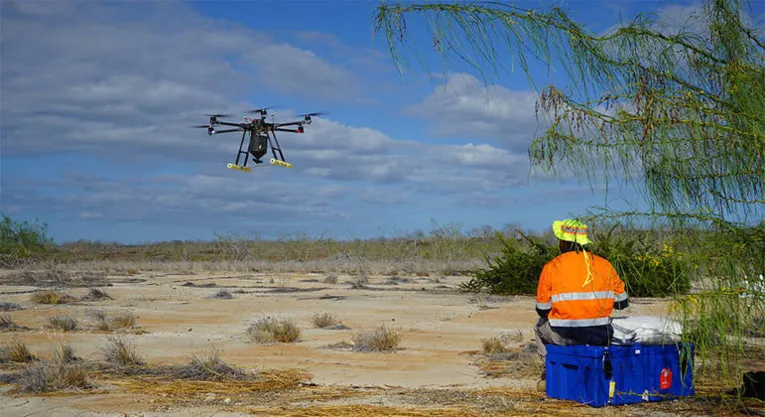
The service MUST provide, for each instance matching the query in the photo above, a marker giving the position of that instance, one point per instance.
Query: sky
(98, 100)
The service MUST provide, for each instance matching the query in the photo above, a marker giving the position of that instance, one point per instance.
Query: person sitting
(576, 294)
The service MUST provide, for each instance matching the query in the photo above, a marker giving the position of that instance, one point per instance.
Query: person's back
(582, 289)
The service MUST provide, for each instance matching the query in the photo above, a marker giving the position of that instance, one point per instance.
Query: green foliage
(516, 271)
(648, 267)
(23, 239)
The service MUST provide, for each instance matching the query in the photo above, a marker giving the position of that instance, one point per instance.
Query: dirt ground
(439, 368)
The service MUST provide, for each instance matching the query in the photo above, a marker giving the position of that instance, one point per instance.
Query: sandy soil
(434, 370)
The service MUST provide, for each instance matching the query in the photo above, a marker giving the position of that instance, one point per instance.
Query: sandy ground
(435, 365)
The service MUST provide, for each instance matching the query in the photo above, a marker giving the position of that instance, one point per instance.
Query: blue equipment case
(614, 375)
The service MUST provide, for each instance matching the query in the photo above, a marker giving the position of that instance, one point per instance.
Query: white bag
(647, 330)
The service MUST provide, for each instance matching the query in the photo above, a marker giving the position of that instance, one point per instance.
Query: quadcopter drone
(262, 134)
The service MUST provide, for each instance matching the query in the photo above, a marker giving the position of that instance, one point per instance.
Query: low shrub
(51, 297)
(121, 352)
(381, 339)
(16, 351)
(105, 323)
(51, 376)
(21, 239)
(515, 271)
(210, 368)
(324, 320)
(269, 330)
(62, 323)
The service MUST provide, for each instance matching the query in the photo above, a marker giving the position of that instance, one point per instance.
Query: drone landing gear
(240, 168)
(281, 163)
(275, 147)
(258, 147)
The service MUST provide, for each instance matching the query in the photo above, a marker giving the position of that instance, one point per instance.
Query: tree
(677, 113)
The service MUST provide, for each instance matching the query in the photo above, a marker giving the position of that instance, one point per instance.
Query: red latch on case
(665, 380)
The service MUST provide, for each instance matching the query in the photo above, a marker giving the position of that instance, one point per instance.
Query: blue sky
(98, 97)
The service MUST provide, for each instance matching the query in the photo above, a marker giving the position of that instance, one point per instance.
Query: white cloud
(464, 107)
(137, 74)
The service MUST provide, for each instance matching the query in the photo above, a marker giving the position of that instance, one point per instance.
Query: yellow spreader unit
(281, 163)
(243, 169)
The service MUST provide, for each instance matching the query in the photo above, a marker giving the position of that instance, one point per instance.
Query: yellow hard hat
(571, 230)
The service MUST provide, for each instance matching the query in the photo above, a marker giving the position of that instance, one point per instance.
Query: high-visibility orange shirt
(575, 293)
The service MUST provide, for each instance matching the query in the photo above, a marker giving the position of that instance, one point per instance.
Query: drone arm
(289, 130)
(289, 124)
(228, 124)
(227, 131)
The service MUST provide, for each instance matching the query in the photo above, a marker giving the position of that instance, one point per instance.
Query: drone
(262, 135)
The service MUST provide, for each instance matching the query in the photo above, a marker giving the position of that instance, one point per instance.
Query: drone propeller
(218, 115)
(201, 126)
(263, 111)
(307, 116)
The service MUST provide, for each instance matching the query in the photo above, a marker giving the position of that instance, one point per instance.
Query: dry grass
(211, 368)
(16, 351)
(8, 325)
(223, 294)
(64, 354)
(51, 297)
(62, 323)
(120, 352)
(324, 320)
(51, 376)
(368, 411)
(380, 339)
(502, 343)
(122, 321)
(331, 278)
(8, 306)
(56, 277)
(270, 330)
(96, 295)
(265, 381)
(103, 322)
(329, 266)
(493, 345)
(520, 362)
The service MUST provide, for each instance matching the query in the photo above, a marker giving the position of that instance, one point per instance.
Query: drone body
(262, 135)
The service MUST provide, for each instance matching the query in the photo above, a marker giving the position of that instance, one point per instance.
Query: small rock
(227, 401)
(189, 328)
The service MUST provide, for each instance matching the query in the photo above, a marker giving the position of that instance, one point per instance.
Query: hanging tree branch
(690, 114)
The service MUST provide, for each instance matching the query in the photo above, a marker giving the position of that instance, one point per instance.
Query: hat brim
(582, 240)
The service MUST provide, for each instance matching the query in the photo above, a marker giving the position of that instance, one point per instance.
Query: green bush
(648, 267)
(23, 239)
(516, 271)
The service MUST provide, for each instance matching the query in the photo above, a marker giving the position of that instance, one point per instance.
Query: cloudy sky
(98, 99)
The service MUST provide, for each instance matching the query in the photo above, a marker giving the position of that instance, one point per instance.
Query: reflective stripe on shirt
(602, 321)
(573, 296)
